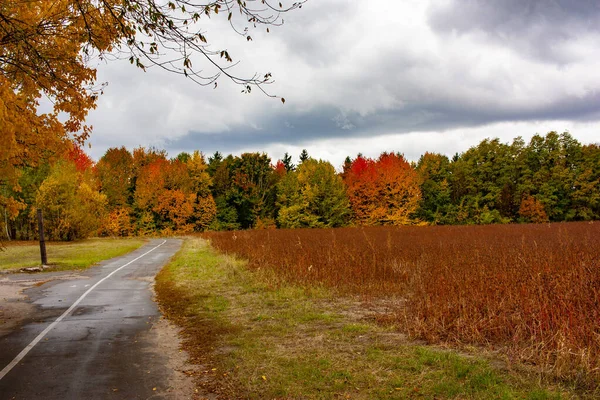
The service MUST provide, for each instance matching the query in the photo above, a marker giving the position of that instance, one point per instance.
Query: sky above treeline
(389, 75)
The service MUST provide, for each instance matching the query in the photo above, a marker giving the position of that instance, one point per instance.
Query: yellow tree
(177, 208)
(72, 208)
(205, 208)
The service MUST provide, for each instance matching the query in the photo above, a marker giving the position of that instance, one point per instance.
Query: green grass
(257, 337)
(65, 255)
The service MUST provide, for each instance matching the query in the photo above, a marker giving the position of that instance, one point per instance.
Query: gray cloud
(302, 129)
(384, 68)
(537, 28)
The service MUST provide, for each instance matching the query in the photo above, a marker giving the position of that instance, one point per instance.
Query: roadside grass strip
(66, 255)
(255, 336)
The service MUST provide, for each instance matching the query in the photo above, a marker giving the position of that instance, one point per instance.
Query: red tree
(383, 192)
(82, 161)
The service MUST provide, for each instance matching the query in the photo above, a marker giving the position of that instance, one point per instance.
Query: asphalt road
(100, 348)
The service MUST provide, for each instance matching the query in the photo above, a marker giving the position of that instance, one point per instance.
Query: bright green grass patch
(66, 255)
(260, 338)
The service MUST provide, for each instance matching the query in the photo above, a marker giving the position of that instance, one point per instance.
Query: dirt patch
(164, 341)
(15, 308)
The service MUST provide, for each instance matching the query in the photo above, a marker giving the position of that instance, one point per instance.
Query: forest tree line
(143, 192)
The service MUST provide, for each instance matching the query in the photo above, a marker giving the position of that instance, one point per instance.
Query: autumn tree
(175, 209)
(157, 196)
(384, 191)
(29, 182)
(280, 169)
(151, 179)
(360, 180)
(174, 200)
(72, 208)
(47, 46)
(531, 210)
(20, 226)
(204, 207)
(43, 48)
(117, 222)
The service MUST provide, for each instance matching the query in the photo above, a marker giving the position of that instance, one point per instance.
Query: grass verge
(257, 337)
(66, 255)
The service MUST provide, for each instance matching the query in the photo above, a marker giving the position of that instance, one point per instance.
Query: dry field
(531, 290)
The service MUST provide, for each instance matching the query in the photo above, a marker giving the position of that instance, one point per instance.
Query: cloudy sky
(388, 75)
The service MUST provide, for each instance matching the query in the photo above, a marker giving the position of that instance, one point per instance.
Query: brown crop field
(531, 290)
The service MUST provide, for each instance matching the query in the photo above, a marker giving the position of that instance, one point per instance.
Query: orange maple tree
(151, 180)
(385, 191)
(532, 210)
(177, 208)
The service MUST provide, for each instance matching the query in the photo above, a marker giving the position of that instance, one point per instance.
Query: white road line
(39, 337)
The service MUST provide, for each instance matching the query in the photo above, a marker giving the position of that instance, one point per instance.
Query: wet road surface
(100, 349)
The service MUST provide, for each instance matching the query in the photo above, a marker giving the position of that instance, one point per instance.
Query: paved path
(98, 350)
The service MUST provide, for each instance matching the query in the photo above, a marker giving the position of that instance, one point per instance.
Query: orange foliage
(178, 193)
(205, 211)
(41, 54)
(531, 210)
(151, 179)
(177, 208)
(383, 192)
(117, 223)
